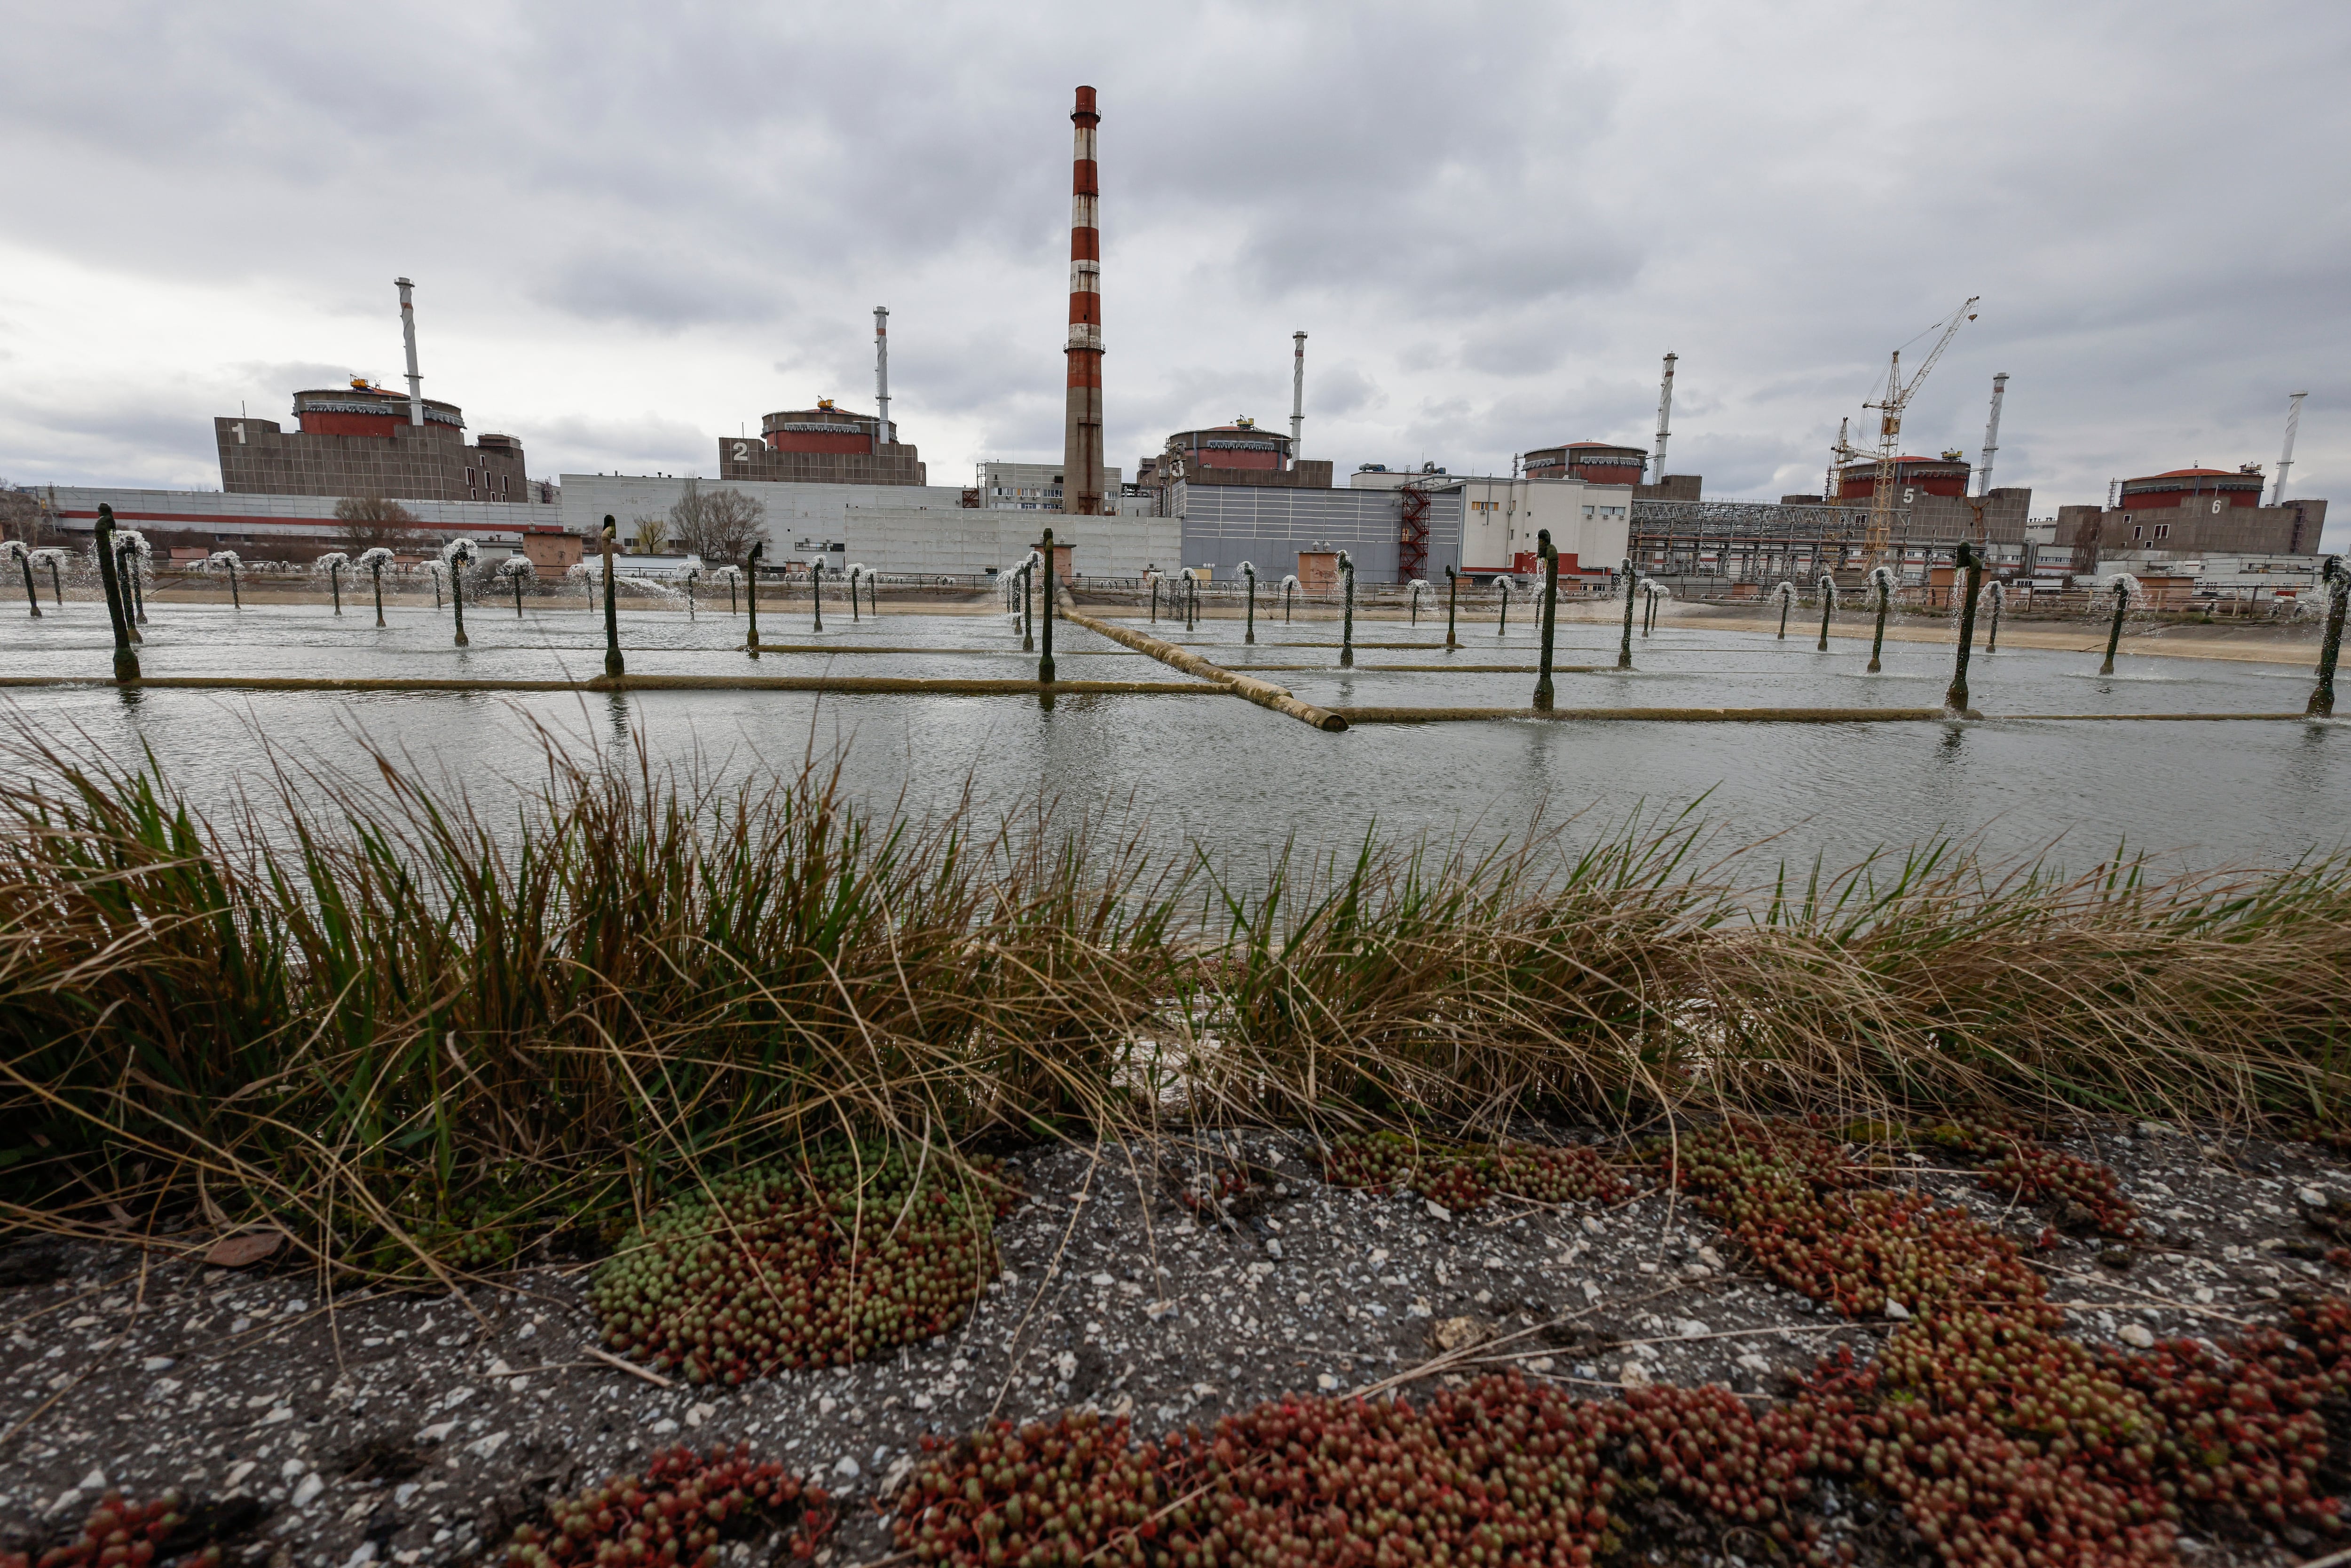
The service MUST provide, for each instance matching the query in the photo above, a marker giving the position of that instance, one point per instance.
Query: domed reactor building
(822, 446)
(368, 440)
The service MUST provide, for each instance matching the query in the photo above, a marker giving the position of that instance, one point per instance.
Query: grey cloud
(1493, 218)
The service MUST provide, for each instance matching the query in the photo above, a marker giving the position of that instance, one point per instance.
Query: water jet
(2125, 588)
(1881, 578)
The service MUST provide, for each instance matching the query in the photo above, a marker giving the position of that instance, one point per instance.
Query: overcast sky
(635, 229)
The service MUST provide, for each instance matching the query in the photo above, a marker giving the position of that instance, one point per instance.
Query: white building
(1591, 525)
(1037, 488)
(898, 528)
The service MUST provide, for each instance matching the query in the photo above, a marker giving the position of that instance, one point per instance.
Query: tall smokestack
(1081, 435)
(881, 435)
(1991, 434)
(1297, 392)
(2286, 460)
(407, 331)
(1665, 415)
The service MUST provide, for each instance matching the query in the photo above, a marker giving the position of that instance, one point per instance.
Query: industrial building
(897, 529)
(366, 440)
(2188, 511)
(1037, 488)
(822, 446)
(188, 525)
(360, 440)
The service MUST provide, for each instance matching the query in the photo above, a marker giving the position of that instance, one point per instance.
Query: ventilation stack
(2285, 459)
(1991, 435)
(883, 435)
(408, 331)
(1082, 436)
(1665, 415)
(1297, 392)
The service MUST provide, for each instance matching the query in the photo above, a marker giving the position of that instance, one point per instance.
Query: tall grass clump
(364, 1012)
(414, 1028)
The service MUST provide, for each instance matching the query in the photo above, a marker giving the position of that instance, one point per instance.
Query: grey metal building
(1224, 525)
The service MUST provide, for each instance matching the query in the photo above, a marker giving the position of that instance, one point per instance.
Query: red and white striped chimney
(1082, 437)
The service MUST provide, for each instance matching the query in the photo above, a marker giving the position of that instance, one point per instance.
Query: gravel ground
(419, 1429)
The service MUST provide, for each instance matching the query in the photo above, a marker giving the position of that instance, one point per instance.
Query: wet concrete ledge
(900, 685)
(1762, 715)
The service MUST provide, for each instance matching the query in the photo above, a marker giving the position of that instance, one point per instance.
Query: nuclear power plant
(834, 484)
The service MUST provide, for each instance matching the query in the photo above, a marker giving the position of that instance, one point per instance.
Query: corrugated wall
(1225, 525)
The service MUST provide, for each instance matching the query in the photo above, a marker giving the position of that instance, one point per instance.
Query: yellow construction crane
(1889, 430)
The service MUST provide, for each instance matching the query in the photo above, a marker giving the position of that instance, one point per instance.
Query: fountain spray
(614, 666)
(1881, 578)
(126, 662)
(517, 571)
(1550, 556)
(1452, 603)
(1290, 585)
(1828, 608)
(132, 548)
(332, 564)
(1786, 594)
(750, 592)
(1970, 574)
(2125, 588)
(372, 562)
(53, 557)
(1502, 620)
(1999, 595)
(24, 559)
(1045, 654)
(226, 560)
(457, 555)
(1625, 646)
(2338, 587)
(1347, 630)
(1249, 571)
(1417, 585)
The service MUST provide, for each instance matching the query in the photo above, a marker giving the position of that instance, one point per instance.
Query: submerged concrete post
(1045, 654)
(1970, 567)
(1347, 630)
(1883, 580)
(458, 586)
(614, 668)
(1828, 608)
(25, 562)
(135, 600)
(1550, 555)
(750, 593)
(2338, 585)
(126, 662)
(1625, 645)
(2115, 632)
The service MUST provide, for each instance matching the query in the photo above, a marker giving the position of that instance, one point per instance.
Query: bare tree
(370, 522)
(716, 525)
(22, 517)
(651, 534)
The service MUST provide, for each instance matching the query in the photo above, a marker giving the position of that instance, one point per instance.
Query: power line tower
(1899, 392)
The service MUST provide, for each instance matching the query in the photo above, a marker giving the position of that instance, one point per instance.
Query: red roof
(2198, 473)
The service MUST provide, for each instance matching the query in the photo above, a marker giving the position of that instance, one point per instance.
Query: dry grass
(414, 1030)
